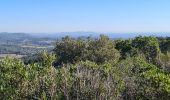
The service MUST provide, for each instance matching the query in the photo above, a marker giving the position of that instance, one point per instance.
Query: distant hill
(95, 35)
(23, 43)
(14, 36)
(39, 36)
(132, 35)
(63, 34)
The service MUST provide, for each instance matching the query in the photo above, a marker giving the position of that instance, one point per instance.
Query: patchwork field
(11, 55)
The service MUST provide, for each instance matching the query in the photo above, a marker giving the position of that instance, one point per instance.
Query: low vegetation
(91, 69)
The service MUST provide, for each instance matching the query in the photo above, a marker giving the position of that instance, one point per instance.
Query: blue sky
(84, 15)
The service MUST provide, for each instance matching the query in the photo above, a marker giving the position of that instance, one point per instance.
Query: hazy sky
(85, 15)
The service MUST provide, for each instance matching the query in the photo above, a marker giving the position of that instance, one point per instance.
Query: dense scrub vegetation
(91, 69)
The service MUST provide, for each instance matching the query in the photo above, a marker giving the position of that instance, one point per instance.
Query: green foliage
(149, 46)
(13, 75)
(146, 46)
(70, 50)
(126, 49)
(90, 69)
(19, 81)
(100, 50)
(164, 62)
(164, 44)
(87, 81)
(144, 80)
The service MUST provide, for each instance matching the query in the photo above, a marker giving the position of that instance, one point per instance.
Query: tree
(164, 44)
(164, 62)
(70, 50)
(125, 48)
(149, 46)
(144, 80)
(102, 50)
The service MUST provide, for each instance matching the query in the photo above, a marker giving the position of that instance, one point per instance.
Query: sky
(84, 15)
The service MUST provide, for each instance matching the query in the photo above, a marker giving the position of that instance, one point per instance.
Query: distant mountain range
(95, 34)
(23, 36)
